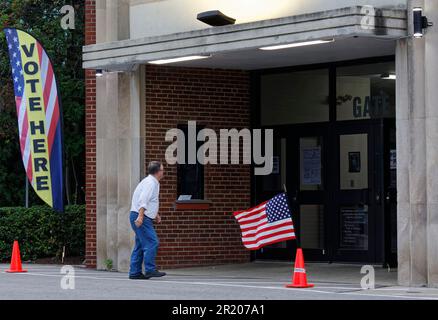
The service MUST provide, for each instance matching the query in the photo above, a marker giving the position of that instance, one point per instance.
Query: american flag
(267, 223)
(46, 79)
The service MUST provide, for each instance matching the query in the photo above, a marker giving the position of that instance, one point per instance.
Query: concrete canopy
(237, 46)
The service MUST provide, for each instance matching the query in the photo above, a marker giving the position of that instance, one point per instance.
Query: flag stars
(277, 209)
(16, 63)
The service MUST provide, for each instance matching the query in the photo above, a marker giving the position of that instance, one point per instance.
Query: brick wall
(215, 99)
(90, 140)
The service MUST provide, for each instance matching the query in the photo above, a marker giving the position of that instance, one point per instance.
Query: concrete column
(417, 134)
(101, 136)
(120, 141)
(130, 163)
(403, 164)
(431, 95)
(130, 144)
(411, 159)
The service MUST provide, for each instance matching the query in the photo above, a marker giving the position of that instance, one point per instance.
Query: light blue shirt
(146, 196)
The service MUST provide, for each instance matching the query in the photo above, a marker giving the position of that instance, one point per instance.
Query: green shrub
(42, 232)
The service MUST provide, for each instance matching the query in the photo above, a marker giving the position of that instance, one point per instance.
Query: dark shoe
(155, 274)
(141, 276)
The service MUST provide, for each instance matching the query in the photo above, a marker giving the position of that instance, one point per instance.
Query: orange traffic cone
(16, 260)
(299, 278)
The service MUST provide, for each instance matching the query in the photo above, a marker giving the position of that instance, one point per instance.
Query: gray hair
(154, 167)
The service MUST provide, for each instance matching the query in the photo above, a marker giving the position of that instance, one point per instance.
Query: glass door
(309, 188)
(354, 218)
(299, 164)
(271, 185)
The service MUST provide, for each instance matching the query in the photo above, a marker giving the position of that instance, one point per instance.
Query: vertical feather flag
(39, 116)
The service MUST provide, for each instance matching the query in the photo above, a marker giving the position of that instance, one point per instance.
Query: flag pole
(27, 193)
(297, 238)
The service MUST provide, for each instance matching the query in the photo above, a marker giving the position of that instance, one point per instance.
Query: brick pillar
(90, 140)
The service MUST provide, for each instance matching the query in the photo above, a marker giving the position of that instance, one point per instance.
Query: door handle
(295, 196)
(292, 197)
(388, 196)
(378, 198)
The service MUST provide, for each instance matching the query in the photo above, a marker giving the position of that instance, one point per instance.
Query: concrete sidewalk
(252, 281)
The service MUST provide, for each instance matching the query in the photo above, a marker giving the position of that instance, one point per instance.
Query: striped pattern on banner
(39, 118)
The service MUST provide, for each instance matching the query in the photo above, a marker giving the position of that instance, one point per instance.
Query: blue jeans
(146, 245)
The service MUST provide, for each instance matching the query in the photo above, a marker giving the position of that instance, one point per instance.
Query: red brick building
(340, 83)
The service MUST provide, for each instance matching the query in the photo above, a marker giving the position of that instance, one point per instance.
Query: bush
(42, 232)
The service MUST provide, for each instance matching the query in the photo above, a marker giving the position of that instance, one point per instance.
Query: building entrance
(340, 169)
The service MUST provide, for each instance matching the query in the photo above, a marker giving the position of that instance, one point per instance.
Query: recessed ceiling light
(179, 59)
(297, 44)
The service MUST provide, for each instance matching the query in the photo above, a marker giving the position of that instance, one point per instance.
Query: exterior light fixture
(99, 73)
(388, 76)
(420, 22)
(179, 59)
(215, 18)
(297, 44)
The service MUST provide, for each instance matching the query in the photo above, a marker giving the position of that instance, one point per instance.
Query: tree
(42, 19)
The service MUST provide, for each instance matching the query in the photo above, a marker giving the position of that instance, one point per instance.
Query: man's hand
(139, 221)
(158, 219)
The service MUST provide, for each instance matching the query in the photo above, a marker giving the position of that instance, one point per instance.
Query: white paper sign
(311, 166)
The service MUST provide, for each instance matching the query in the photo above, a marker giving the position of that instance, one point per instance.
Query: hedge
(42, 232)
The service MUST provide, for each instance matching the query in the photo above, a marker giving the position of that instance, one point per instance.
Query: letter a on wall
(39, 116)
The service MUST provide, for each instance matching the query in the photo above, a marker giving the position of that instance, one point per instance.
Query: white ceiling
(341, 49)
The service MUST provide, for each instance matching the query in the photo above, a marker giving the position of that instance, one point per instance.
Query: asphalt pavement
(252, 281)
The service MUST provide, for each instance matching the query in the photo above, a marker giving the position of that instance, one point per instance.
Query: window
(295, 97)
(366, 91)
(191, 176)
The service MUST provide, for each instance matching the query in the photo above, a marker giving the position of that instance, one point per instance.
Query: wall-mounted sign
(377, 106)
(354, 228)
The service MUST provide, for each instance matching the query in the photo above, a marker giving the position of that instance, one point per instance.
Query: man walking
(144, 211)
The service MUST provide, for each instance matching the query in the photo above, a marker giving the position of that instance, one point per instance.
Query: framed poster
(354, 165)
